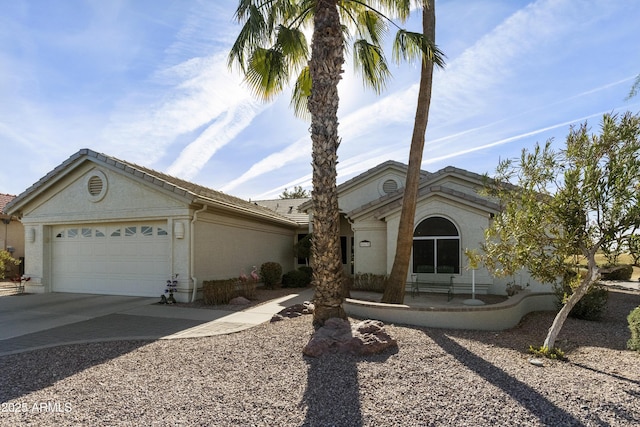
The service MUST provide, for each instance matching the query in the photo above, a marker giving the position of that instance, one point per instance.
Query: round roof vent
(96, 184)
(389, 186)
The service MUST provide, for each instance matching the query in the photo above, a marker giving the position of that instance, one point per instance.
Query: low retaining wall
(494, 317)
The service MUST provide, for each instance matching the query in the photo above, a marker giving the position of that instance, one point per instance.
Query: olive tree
(559, 203)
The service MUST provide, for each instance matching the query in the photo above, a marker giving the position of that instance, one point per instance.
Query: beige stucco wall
(226, 245)
(367, 191)
(12, 235)
(68, 201)
(370, 251)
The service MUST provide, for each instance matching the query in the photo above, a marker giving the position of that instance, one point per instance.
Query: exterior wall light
(178, 230)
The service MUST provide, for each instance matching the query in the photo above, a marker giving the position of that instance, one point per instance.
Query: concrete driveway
(35, 321)
(29, 313)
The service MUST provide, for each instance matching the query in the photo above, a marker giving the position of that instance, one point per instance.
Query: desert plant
(554, 353)
(216, 292)
(246, 288)
(591, 306)
(7, 262)
(634, 327)
(295, 279)
(369, 282)
(616, 272)
(270, 274)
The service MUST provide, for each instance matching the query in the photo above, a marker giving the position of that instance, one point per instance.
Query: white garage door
(116, 259)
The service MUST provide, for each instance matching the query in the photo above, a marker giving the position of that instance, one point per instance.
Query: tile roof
(4, 200)
(287, 208)
(194, 193)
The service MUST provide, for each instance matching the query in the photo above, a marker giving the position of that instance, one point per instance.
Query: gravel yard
(260, 377)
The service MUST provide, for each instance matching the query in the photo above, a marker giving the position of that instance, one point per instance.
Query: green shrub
(634, 327)
(216, 292)
(590, 307)
(295, 279)
(553, 353)
(618, 272)
(308, 271)
(369, 282)
(270, 274)
(7, 263)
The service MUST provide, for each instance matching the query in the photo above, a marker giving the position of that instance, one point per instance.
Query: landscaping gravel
(259, 377)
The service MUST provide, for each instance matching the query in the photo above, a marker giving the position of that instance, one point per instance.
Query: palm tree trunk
(326, 69)
(395, 289)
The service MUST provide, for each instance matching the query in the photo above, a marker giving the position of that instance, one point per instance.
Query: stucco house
(11, 234)
(97, 224)
(450, 216)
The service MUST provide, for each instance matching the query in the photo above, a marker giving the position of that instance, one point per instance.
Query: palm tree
(395, 289)
(278, 25)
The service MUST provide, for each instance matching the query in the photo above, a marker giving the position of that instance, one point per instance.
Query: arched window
(436, 247)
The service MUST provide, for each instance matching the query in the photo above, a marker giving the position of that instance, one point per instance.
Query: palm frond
(371, 26)
(253, 32)
(301, 94)
(266, 73)
(399, 9)
(370, 60)
(634, 89)
(293, 45)
(411, 46)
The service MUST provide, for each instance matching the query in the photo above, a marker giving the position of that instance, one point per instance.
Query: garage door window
(73, 233)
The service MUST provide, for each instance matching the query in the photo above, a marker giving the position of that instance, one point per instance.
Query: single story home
(97, 224)
(450, 217)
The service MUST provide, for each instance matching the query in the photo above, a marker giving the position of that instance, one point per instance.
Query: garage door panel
(120, 259)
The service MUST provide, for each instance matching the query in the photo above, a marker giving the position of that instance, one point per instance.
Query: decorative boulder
(337, 335)
(296, 310)
(239, 301)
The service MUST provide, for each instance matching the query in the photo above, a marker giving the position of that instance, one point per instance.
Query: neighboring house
(11, 234)
(96, 224)
(450, 217)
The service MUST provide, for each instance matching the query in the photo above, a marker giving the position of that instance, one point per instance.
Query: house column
(370, 251)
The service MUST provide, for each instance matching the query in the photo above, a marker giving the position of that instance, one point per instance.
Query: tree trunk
(326, 69)
(592, 276)
(395, 289)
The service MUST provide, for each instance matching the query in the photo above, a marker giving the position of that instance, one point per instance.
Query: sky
(147, 81)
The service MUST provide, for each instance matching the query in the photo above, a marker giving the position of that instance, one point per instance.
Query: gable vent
(389, 186)
(95, 185)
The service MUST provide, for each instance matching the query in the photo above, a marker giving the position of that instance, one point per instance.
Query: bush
(308, 271)
(634, 327)
(618, 272)
(7, 263)
(246, 288)
(216, 292)
(369, 282)
(590, 307)
(270, 274)
(295, 279)
(553, 353)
